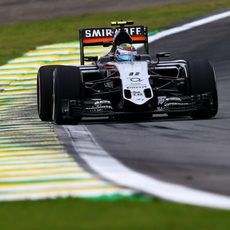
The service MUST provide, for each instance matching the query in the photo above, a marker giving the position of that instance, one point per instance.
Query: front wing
(182, 104)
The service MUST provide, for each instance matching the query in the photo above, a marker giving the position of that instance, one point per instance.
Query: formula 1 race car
(125, 83)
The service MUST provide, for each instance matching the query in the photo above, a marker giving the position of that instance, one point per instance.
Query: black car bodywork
(107, 87)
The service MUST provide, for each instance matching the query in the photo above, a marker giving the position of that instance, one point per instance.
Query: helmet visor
(126, 57)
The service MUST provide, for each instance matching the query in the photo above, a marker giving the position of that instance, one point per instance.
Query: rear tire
(202, 80)
(67, 85)
(45, 91)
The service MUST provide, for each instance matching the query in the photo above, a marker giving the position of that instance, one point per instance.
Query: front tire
(45, 92)
(67, 86)
(202, 80)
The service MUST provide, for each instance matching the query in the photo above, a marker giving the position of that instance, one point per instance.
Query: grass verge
(123, 214)
(16, 39)
(83, 214)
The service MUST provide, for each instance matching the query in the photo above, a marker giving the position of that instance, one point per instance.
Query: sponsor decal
(136, 87)
(97, 33)
(135, 79)
(161, 101)
(132, 73)
(137, 93)
(109, 32)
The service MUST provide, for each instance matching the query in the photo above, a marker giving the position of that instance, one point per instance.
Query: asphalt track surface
(195, 153)
(14, 11)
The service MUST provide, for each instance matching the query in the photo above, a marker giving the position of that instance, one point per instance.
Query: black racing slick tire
(67, 86)
(45, 92)
(202, 80)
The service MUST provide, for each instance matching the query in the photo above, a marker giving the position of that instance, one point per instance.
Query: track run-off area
(33, 162)
(97, 156)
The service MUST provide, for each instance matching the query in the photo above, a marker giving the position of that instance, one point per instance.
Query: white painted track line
(111, 169)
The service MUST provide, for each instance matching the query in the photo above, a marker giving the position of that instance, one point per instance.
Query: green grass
(80, 214)
(16, 39)
(84, 214)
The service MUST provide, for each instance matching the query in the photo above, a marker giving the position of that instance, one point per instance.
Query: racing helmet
(125, 52)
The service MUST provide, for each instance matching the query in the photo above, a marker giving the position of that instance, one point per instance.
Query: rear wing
(99, 36)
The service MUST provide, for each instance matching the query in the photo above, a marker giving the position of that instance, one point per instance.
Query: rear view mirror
(162, 55)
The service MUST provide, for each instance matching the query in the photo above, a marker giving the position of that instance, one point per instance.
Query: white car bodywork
(135, 78)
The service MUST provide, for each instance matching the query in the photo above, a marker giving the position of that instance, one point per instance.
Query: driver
(125, 52)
